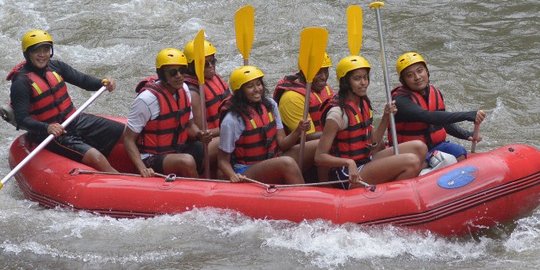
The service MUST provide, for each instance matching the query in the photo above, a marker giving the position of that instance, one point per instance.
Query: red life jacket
(215, 91)
(353, 142)
(50, 101)
(408, 131)
(148, 81)
(258, 141)
(291, 83)
(168, 131)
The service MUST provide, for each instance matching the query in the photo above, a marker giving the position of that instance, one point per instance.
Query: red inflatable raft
(485, 190)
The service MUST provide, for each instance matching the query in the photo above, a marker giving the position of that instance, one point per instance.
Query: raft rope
(269, 187)
(168, 178)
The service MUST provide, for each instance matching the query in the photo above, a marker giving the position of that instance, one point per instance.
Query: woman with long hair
(252, 136)
(349, 143)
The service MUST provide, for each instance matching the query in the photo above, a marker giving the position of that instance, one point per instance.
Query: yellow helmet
(408, 59)
(209, 49)
(244, 74)
(327, 62)
(34, 37)
(349, 63)
(169, 57)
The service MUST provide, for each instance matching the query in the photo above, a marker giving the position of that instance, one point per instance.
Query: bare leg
(309, 159)
(97, 160)
(309, 153)
(415, 147)
(181, 165)
(391, 168)
(276, 170)
(322, 173)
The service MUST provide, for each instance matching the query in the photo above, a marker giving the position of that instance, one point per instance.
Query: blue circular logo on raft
(458, 178)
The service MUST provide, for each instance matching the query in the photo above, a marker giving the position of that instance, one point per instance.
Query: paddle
(377, 6)
(51, 137)
(475, 137)
(199, 58)
(244, 26)
(312, 47)
(354, 29)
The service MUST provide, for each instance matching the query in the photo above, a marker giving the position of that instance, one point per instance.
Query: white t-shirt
(336, 113)
(233, 125)
(144, 108)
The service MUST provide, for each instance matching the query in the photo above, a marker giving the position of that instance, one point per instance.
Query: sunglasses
(173, 71)
(211, 62)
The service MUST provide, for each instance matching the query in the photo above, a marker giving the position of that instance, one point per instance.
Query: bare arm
(224, 164)
(195, 133)
(313, 136)
(196, 108)
(323, 158)
(133, 152)
(286, 142)
(378, 133)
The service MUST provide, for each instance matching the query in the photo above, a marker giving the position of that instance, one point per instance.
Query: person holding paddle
(421, 110)
(252, 135)
(348, 143)
(215, 91)
(290, 95)
(41, 102)
(160, 135)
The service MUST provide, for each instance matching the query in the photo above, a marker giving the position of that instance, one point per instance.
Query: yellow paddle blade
(312, 48)
(244, 26)
(198, 55)
(376, 4)
(354, 28)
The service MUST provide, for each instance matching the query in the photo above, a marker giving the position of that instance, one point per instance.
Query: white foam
(526, 235)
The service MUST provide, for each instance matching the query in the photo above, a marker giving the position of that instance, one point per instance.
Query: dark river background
(482, 55)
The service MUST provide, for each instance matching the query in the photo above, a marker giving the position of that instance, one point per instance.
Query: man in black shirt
(41, 103)
(421, 111)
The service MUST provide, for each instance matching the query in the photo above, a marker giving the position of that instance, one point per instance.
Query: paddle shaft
(204, 128)
(199, 58)
(303, 134)
(475, 137)
(386, 80)
(51, 137)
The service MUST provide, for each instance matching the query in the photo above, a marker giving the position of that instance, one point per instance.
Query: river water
(482, 54)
